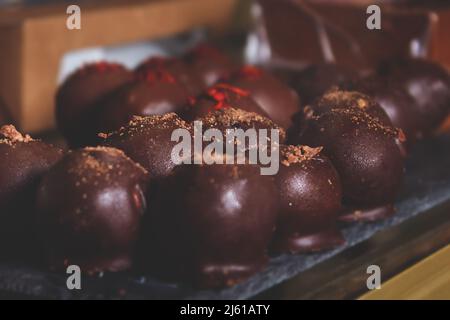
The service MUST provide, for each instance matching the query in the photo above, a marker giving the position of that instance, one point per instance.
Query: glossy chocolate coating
(278, 100)
(220, 96)
(315, 80)
(147, 140)
(150, 94)
(76, 99)
(214, 224)
(363, 151)
(398, 104)
(209, 64)
(427, 83)
(23, 161)
(175, 68)
(89, 210)
(310, 197)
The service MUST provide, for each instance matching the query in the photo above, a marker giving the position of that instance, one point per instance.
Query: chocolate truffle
(77, 97)
(89, 209)
(310, 197)
(23, 161)
(365, 154)
(175, 68)
(147, 140)
(396, 102)
(427, 83)
(220, 96)
(213, 225)
(209, 64)
(152, 93)
(278, 100)
(315, 80)
(339, 99)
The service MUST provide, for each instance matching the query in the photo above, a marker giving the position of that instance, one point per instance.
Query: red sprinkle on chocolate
(220, 94)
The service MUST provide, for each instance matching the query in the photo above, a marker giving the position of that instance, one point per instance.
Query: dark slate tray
(426, 186)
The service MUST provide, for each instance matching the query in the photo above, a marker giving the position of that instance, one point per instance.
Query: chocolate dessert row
(117, 201)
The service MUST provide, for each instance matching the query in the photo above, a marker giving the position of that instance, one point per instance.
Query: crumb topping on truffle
(94, 167)
(142, 123)
(363, 118)
(347, 99)
(156, 70)
(231, 116)
(99, 66)
(296, 154)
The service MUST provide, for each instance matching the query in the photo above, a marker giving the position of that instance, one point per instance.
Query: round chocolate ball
(147, 140)
(89, 210)
(176, 69)
(310, 197)
(151, 93)
(341, 99)
(220, 96)
(213, 224)
(23, 161)
(315, 80)
(427, 83)
(209, 64)
(337, 99)
(77, 99)
(365, 153)
(278, 100)
(396, 102)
